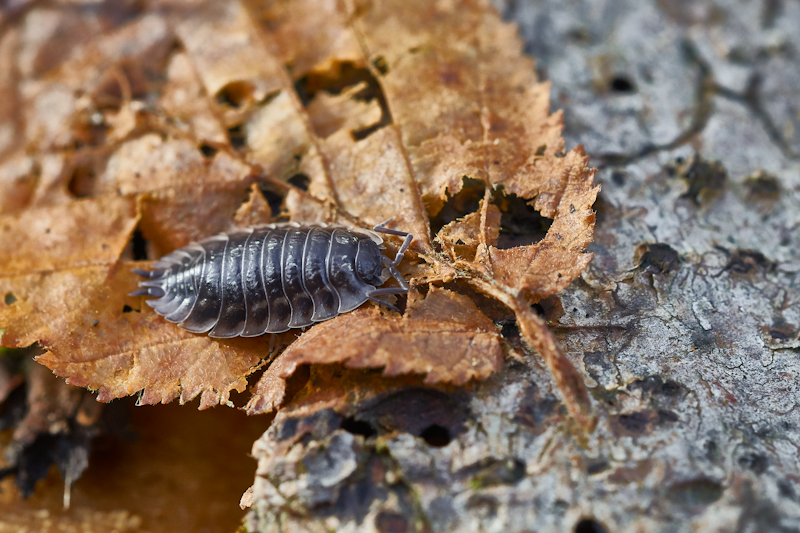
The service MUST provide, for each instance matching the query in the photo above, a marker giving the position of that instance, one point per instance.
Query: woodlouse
(271, 278)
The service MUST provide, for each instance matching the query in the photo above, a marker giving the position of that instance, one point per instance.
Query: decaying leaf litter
(169, 125)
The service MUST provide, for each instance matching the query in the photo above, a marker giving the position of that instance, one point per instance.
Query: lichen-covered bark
(686, 323)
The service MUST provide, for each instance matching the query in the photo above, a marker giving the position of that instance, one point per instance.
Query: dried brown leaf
(442, 335)
(352, 114)
(466, 100)
(99, 338)
(84, 232)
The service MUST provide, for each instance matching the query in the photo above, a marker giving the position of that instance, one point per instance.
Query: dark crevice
(237, 137)
(81, 182)
(301, 181)
(139, 246)
(9, 298)
(273, 197)
(296, 382)
(436, 435)
(358, 427)
(622, 84)
(208, 151)
(589, 525)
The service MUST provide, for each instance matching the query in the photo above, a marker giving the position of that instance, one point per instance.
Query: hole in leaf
(296, 382)
(300, 181)
(589, 525)
(9, 298)
(236, 94)
(541, 150)
(520, 224)
(622, 84)
(128, 309)
(338, 78)
(237, 137)
(358, 427)
(139, 246)
(273, 198)
(208, 151)
(509, 329)
(465, 202)
(436, 435)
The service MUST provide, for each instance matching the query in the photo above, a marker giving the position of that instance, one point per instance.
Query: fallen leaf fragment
(84, 232)
(443, 335)
(352, 113)
(227, 52)
(547, 267)
(466, 100)
(98, 337)
(462, 238)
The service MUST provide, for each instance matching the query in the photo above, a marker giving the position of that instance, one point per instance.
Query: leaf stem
(536, 333)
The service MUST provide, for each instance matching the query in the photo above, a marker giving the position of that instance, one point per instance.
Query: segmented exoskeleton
(271, 278)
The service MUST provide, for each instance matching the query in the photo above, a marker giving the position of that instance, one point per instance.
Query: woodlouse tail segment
(392, 265)
(153, 284)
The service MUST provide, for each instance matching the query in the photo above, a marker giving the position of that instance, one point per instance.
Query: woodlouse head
(369, 262)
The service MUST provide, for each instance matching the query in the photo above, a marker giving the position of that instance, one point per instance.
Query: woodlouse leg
(392, 265)
(385, 304)
(387, 290)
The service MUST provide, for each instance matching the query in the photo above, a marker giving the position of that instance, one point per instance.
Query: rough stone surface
(686, 323)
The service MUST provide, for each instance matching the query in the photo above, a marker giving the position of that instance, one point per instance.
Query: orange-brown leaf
(352, 113)
(79, 315)
(443, 335)
(84, 232)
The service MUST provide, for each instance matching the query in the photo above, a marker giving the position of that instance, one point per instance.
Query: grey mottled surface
(686, 322)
